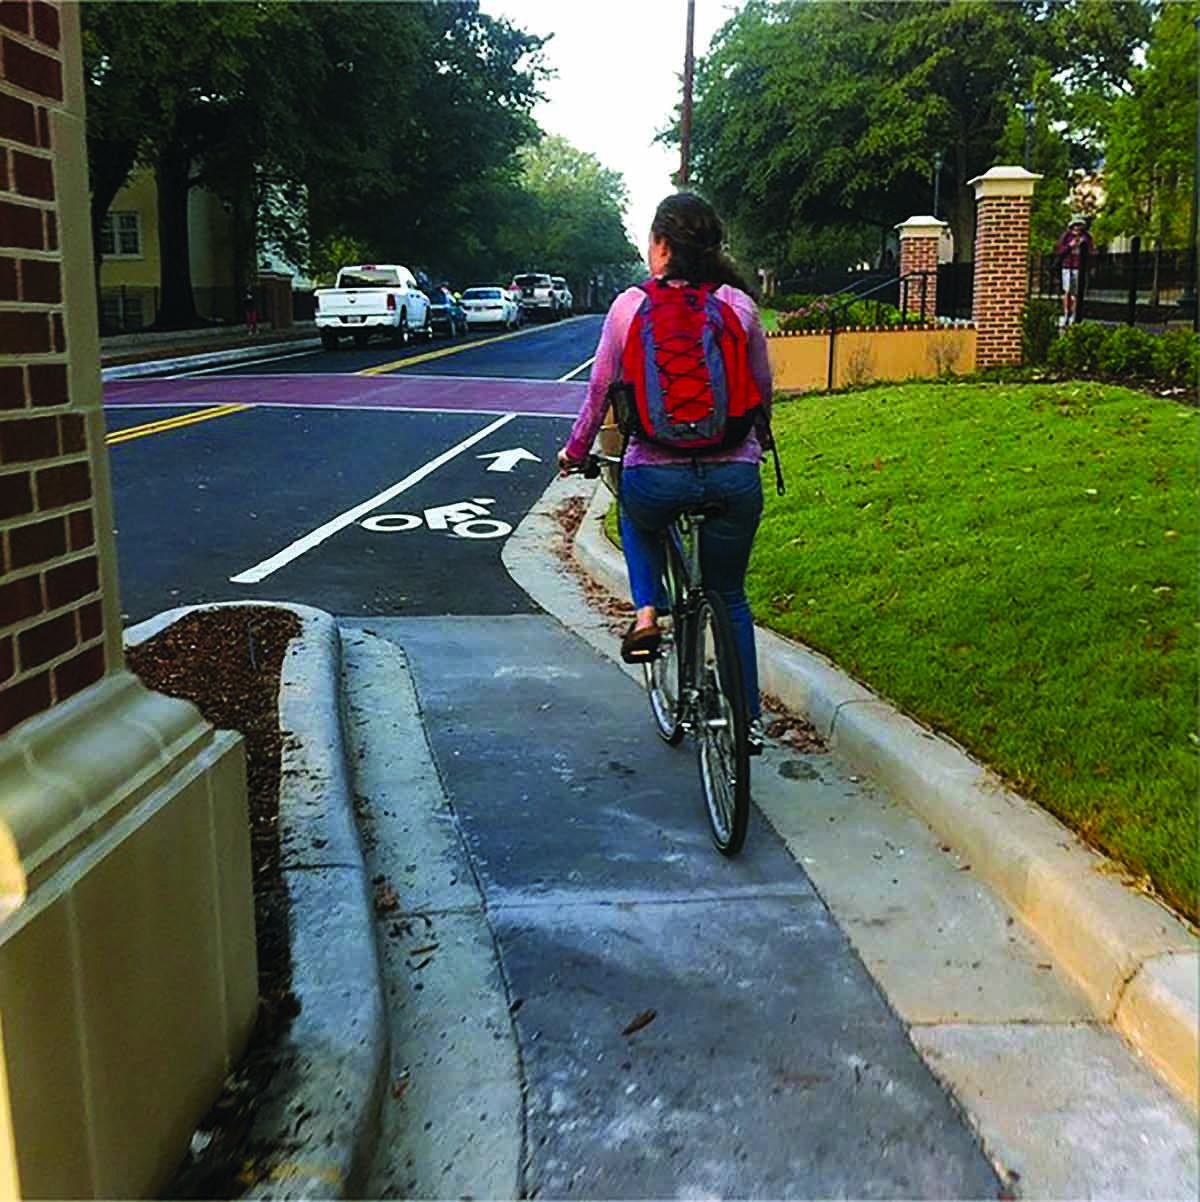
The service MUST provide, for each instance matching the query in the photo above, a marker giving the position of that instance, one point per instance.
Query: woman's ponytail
(692, 230)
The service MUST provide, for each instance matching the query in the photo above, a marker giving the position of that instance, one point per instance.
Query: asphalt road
(359, 481)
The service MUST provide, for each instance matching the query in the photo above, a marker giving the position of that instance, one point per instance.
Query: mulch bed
(227, 661)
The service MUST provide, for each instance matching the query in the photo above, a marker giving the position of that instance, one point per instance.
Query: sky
(620, 72)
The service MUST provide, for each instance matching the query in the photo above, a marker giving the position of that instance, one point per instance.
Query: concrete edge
(1136, 962)
(156, 367)
(323, 1106)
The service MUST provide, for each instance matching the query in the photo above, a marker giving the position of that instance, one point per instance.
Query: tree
(567, 217)
(1150, 150)
(811, 116)
(374, 120)
(158, 78)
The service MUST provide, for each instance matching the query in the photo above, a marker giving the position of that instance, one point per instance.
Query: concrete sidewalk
(143, 353)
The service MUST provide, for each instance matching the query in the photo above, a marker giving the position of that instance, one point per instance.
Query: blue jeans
(652, 496)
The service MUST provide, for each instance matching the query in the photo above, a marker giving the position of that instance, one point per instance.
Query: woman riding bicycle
(656, 482)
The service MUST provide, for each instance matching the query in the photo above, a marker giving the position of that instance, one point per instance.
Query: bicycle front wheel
(721, 727)
(664, 671)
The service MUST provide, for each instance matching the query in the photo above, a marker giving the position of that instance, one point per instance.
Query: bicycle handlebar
(590, 467)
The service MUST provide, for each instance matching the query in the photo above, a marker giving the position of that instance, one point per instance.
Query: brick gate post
(1004, 198)
(919, 241)
(128, 980)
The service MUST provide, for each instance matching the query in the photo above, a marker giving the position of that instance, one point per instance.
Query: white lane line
(576, 370)
(301, 545)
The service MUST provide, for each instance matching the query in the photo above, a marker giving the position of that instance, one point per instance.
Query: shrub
(1177, 358)
(1039, 324)
(1077, 352)
(817, 313)
(1127, 353)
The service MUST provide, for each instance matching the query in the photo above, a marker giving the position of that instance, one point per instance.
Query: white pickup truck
(375, 298)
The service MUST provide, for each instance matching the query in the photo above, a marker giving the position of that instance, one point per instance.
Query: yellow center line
(448, 350)
(173, 423)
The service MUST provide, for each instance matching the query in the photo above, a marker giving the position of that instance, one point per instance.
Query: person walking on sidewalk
(685, 248)
(1074, 243)
(250, 305)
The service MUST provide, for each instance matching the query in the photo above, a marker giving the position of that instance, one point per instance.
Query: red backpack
(686, 365)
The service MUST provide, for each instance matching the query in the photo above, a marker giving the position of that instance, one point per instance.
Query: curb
(152, 367)
(322, 1106)
(1137, 963)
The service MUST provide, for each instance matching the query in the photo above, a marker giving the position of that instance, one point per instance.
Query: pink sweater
(607, 368)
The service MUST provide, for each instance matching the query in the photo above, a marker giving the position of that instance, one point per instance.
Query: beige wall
(800, 362)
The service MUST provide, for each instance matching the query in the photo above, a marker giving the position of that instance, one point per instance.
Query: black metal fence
(956, 291)
(1134, 287)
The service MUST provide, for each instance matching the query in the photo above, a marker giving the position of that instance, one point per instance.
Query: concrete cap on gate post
(921, 227)
(1004, 181)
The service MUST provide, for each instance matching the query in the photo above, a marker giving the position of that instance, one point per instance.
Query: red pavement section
(446, 393)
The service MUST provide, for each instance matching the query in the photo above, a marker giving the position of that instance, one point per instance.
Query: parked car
(372, 298)
(446, 311)
(566, 302)
(489, 304)
(538, 298)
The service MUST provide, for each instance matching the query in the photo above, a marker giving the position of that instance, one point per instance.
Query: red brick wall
(51, 620)
(1001, 277)
(919, 253)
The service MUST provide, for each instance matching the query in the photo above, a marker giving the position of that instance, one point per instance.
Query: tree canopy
(816, 123)
(390, 127)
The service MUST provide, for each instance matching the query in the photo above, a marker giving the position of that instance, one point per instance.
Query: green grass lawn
(1015, 565)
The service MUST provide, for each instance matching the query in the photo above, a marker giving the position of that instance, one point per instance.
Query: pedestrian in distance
(250, 307)
(1073, 244)
(657, 478)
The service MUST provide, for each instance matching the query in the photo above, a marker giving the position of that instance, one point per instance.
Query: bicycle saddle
(704, 509)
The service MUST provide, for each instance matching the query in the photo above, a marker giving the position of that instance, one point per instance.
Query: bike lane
(688, 1026)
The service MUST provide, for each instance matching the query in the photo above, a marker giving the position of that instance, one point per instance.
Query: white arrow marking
(505, 461)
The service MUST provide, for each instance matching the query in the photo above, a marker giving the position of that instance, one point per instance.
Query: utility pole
(685, 125)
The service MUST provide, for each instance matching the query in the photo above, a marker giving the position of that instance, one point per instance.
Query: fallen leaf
(639, 1021)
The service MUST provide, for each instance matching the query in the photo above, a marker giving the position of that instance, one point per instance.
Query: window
(121, 235)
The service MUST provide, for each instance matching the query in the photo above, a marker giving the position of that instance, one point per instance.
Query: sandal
(640, 646)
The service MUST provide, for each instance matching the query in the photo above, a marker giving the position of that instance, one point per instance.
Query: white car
(566, 302)
(490, 305)
(371, 298)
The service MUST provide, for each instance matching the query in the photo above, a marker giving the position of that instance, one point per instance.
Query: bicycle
(694, 681)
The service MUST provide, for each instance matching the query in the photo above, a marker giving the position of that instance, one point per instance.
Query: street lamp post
(1029, 108)
(937, 179)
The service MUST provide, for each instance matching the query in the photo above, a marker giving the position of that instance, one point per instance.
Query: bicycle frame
(681, 543)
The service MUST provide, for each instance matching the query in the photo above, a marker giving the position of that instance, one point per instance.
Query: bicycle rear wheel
(664, 672)
(721, 724)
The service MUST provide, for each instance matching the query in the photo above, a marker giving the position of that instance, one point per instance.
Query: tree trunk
(109, 172)
(961, 212)
(178, 305)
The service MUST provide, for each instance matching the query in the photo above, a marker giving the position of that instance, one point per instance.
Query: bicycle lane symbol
(464, 519)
